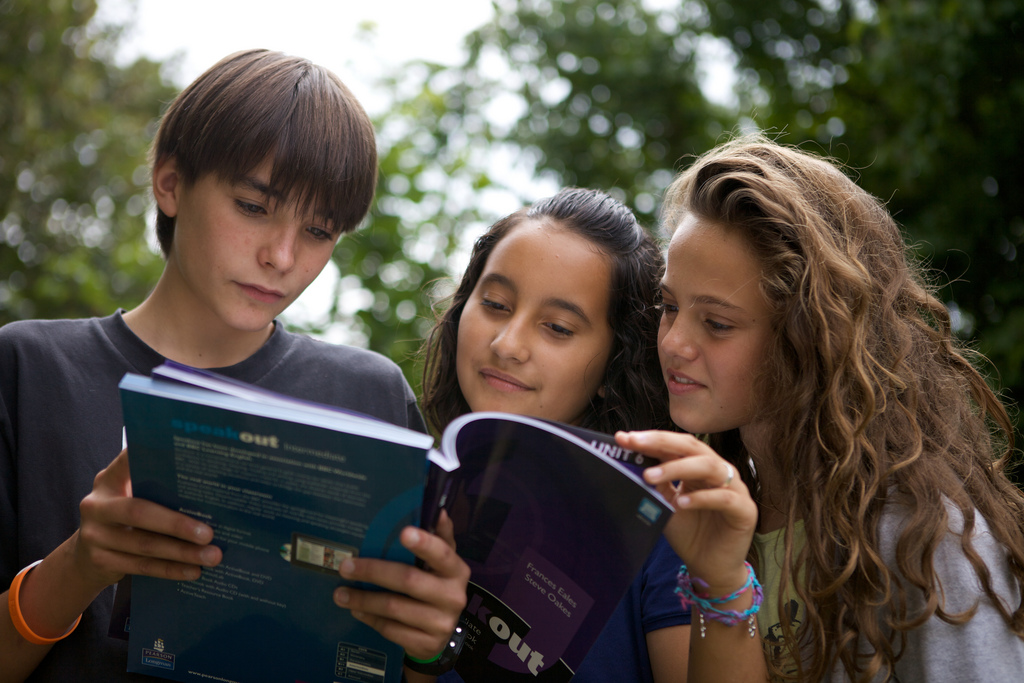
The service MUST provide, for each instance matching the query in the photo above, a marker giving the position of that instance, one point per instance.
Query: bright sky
(325, 31)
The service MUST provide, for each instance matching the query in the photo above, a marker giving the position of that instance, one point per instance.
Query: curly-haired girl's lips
(679, 384)
(503, 382)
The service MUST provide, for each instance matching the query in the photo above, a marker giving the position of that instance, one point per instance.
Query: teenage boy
(258, 167)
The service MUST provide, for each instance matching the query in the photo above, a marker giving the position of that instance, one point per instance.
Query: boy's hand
(424, 606)
(123, 535)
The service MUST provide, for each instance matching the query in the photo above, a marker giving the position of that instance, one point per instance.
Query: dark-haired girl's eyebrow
(569, 307)
(557, 302)
(499, 279)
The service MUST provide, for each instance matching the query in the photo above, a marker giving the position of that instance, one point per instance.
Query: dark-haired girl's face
(534, 337)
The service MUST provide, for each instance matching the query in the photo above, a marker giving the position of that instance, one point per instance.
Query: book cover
(290, 490)
(553, 520)
(554, 527)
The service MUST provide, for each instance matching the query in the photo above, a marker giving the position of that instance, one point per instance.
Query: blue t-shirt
(620, 653)
(650, 604)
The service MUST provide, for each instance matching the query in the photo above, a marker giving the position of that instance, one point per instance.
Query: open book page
(554, 531)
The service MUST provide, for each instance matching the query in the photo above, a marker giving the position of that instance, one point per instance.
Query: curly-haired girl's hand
(715, 516)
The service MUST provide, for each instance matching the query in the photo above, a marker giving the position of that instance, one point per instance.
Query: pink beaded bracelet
(688, 596)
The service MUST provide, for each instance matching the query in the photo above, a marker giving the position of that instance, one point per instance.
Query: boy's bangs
(306, 120)
(322, 160)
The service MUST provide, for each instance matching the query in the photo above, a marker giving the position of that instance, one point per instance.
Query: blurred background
(483, 106)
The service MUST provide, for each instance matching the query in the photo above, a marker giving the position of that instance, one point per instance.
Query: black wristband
(445, 660)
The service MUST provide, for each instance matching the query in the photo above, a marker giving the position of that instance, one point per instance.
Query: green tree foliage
(610, 92)
(395, 267)
(73, 178)
(919, 98)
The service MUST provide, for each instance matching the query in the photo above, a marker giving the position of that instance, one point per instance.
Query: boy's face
(240, 254)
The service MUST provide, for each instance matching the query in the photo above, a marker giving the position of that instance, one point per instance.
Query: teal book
(291, 489)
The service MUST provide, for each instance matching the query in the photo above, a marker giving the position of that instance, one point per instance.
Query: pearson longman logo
(156, 656)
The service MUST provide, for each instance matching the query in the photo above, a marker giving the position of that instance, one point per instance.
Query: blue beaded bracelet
(689, 596)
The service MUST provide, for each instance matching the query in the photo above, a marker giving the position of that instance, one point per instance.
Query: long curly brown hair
(883, 405)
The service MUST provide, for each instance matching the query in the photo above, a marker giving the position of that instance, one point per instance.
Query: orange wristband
(18, 618)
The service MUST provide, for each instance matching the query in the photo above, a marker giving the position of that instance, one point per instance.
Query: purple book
(555, 523)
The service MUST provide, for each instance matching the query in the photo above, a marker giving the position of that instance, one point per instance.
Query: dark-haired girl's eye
(487, 303)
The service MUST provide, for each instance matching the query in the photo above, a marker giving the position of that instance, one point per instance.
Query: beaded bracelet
(18, 618)
(689, 596)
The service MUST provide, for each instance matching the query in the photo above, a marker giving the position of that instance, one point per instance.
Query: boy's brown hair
(258, 104)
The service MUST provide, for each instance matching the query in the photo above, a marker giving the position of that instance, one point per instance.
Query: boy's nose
(279, 250)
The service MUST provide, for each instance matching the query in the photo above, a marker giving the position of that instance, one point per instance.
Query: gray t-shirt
(60, 423)
(984, 648)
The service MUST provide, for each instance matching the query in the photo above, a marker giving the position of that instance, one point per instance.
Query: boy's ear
(166, 185)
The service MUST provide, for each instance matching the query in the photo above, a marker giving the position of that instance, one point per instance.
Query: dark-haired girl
(556, 318)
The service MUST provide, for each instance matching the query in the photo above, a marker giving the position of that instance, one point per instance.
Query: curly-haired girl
(798, 335)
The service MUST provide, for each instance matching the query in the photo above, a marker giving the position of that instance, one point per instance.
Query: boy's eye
(320, 233)
(249, 208)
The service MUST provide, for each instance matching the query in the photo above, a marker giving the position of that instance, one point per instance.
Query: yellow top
(770, 549)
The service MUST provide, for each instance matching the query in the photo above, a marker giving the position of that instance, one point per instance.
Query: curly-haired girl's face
(714, 328)
(534, 337)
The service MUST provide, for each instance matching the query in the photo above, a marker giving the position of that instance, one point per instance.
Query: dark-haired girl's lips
(503, 382)
(261, 294)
